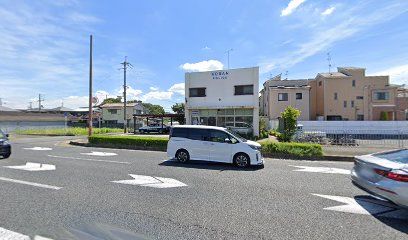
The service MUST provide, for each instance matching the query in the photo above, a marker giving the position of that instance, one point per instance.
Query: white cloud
(328, 11)
(323, 37)
(157, 95)
(202, 66)
(206, 48)
(293, 4)
(177, 88)
(153, 88)
(398, 74)
(83, 18)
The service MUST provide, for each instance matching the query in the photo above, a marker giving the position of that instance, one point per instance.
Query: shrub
(289, 117)
(274, 132)
(133, 142)
(291, 149)
(383, 116)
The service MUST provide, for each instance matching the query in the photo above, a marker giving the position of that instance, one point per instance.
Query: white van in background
(216, 144)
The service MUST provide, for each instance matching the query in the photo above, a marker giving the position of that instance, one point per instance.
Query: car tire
(242, 160)
(6, 155)
(182, 156)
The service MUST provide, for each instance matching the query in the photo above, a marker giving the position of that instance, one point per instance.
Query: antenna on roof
(329, 61)
(286, 75)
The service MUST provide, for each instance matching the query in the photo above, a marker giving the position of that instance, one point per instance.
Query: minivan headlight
(255, 147)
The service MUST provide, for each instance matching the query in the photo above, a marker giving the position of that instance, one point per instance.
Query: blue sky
(44, 43)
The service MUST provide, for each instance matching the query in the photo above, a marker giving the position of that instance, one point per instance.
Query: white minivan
(208, 143)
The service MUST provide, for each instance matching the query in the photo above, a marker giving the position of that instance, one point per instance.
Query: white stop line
(10, 235)
(321, 170)
(102, 154)
(154, 182)
(39, 149)
(29, 166)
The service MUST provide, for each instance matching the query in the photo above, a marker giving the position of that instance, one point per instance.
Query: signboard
(220, 75)
(195, 112)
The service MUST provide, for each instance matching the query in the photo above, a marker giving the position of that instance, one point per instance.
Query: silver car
(384, 175)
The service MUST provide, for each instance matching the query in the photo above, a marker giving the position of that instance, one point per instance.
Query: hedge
(131, 142)
(291, 149)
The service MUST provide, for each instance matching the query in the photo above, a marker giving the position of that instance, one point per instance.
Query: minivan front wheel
(241, 160)
(182, 156)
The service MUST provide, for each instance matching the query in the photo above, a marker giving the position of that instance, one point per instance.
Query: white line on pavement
(29, 166)
(89, 159)
(102, 154)
(10, 235)
(30, 183)
(321, 170)
(39, 149)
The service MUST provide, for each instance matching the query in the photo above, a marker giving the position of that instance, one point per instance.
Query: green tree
(153, 109)
(112, 100)
(179, 109)
(289, 117)
(383, 116)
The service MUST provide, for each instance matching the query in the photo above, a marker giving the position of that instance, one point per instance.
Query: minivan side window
(179, 132)
(199, 134)
(218, 136)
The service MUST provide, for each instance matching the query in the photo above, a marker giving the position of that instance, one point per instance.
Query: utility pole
(228, 54)
(30, 106)
(90, 88)
(125, 64)
(40, 99)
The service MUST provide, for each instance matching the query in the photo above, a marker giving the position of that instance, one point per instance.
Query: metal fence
(355, 138)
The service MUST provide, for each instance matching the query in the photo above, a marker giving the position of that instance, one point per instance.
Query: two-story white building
(226, 98)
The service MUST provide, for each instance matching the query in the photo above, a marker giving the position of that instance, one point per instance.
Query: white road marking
(321, 170)
(29, 166)
(30, 183)
(366, 206)
(39, 149)
(149, 181)
(10, 235)
(102, 154)
(89, 159)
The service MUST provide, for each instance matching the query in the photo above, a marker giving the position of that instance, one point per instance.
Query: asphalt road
(80, 201)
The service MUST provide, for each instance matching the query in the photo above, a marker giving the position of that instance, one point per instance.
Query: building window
(360, 97)
(299, 96)
(282, 97)
(197, 92)
(335, 96)
(352, 103)
(360, 117)
(244, 90)
(112, 111)
(381, 95)
(345, 104)
(320, 83)
(353, 83)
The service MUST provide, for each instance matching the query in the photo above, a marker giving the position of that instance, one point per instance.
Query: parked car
(5, 147)
(384, 175)
(208, 143)
(154, 128)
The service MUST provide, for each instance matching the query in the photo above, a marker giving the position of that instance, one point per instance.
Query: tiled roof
(289, 83)
(333, 75)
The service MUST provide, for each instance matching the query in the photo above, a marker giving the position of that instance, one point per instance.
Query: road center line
(89, 159)
(30, 183)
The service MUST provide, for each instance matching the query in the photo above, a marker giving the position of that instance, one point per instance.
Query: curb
(323, 158)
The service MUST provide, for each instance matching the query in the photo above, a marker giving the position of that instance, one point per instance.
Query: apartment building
(277, 94)
(347, 94)
(227, 98)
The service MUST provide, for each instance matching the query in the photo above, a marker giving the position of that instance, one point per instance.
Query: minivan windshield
(235, 135)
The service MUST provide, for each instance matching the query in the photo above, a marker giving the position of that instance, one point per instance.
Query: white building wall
(220, 91)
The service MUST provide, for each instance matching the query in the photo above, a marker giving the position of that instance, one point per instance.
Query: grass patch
(71, 131)
(132, 142)
(291, 149)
